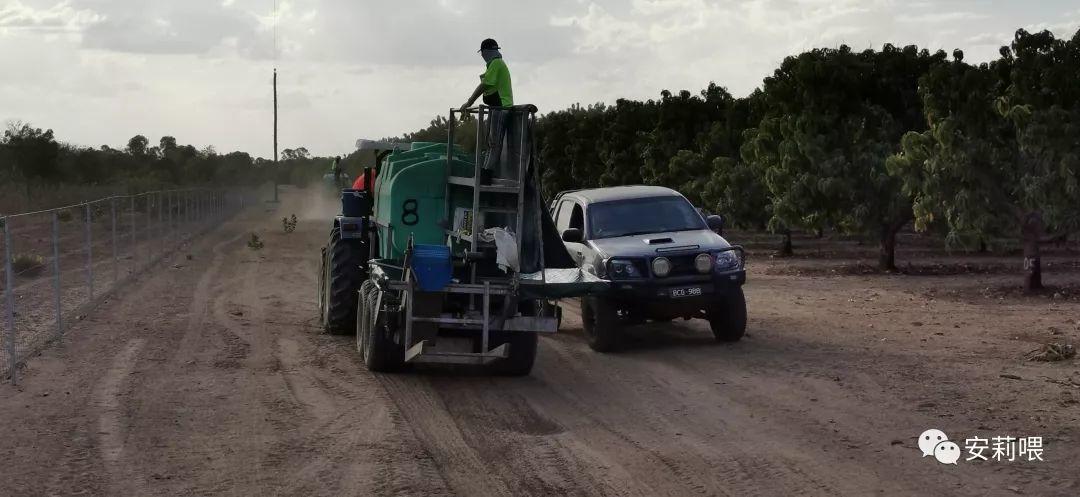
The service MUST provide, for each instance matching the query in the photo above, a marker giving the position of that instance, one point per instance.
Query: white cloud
(60, 17)
(940, 17)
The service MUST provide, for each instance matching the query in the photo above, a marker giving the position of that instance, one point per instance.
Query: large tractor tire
(727, 317)
(522, 352)
(343, 273)
(600, 320)
(377, 331)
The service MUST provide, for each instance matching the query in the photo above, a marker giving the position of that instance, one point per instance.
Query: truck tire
(377, 331)
(522, 353)
(344, 274)
(600, 321)
(727, 317)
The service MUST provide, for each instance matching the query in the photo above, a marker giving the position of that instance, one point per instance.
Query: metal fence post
(187, 213)
(149, 230)
(89, 256)
(115, 255)
(171, 231)
(161, 221)
(56, 271)
(131, 237)
(9, 292)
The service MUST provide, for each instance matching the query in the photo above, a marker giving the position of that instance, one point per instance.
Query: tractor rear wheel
(343, 275)
(377, 331)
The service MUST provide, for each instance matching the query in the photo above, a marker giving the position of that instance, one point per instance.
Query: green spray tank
(410, 196)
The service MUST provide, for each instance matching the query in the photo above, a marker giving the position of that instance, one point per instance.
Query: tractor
(448, 256)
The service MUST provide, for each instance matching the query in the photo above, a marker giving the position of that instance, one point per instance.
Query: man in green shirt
(498, 93)
(495, 82)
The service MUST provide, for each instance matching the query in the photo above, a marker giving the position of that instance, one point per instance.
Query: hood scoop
(658, 241)
(680, 248)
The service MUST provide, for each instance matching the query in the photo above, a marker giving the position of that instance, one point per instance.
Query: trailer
(446, 264)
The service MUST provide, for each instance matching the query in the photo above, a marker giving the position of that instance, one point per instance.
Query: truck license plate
(692, 291)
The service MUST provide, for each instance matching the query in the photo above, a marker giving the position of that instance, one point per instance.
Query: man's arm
(475, 95)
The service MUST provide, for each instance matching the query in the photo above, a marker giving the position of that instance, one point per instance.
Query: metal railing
(57, 263)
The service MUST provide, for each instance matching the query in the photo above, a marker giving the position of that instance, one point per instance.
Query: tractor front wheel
(342, 277)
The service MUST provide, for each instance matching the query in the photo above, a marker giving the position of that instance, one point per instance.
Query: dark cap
(489, 44)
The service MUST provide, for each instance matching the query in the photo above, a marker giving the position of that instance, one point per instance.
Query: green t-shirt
(496, 82)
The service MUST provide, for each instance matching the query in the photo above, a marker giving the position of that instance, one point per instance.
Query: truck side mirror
(573, 235)
(716, 223)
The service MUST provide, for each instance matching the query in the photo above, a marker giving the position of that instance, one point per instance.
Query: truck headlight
(622, 269)
(661, 267)
(727, 260)
(703, 263)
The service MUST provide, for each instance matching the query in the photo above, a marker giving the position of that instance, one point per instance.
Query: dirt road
(211, 379)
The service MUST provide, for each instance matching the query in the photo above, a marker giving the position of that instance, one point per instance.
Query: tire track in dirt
(112, 428)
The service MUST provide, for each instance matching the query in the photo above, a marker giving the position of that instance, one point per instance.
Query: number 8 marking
(409, 216)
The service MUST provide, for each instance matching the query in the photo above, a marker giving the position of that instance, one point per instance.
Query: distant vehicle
(664, 258)
(333, 186)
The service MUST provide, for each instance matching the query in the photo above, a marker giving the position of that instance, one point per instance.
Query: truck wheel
(727, 317)
(522, 353)
(344, 275)
(378, 333)
(600, 319)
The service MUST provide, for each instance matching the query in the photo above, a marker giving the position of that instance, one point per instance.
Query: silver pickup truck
(664, 259)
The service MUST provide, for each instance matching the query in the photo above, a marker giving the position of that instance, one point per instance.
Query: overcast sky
(101, 71)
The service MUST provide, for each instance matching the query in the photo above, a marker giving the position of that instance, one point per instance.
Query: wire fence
(57, 263)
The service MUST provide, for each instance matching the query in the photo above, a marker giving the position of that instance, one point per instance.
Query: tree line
(31, 156)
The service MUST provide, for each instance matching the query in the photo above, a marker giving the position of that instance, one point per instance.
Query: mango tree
(831, 120)
(1002, 155)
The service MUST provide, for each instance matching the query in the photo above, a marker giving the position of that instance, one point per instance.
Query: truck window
(577, 218)
(562, 216)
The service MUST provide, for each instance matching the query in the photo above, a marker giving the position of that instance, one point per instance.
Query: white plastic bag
(506, 248)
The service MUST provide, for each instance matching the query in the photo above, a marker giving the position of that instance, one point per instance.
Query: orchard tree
(832, 118)
(1001, 155)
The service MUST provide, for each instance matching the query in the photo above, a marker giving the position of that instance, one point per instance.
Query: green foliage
(1002, 143)
(31, 156)
(831, 119)
(254, 243)
(288, 224)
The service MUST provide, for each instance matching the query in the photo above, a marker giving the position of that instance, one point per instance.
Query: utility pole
(275, 140)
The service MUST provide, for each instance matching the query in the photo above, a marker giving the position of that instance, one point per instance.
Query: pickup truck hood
(647, 245)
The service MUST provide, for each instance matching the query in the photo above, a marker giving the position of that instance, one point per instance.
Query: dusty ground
(211, 379)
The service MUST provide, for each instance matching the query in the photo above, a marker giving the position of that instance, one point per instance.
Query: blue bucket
(432, 266)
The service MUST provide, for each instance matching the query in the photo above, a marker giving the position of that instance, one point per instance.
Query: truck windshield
(641, 216)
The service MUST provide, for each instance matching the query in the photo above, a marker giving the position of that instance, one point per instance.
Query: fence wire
(58, 263)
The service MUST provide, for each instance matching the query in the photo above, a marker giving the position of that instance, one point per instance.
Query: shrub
(255, 243)
(289, 224)
(28, 265)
